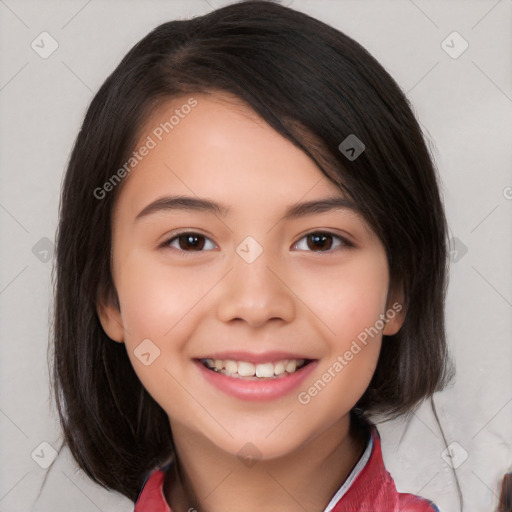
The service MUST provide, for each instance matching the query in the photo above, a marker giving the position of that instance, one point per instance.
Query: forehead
(219, 148)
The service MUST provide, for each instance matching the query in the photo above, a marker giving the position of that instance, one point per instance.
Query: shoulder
(412, 503)
(373, 489)
(151, 497)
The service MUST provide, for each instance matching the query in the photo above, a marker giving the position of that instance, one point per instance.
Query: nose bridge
(252, 292)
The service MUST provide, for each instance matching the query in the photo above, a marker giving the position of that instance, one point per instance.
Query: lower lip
(256, 390)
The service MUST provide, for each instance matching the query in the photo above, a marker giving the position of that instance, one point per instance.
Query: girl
(251, 270)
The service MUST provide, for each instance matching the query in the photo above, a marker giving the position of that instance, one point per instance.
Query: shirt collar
(368, 487)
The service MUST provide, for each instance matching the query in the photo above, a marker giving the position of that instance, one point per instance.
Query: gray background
(464, 105)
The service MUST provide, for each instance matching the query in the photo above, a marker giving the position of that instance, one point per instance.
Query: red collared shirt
(368, 488)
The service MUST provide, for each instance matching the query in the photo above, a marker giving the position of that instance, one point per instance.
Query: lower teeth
(253, 377)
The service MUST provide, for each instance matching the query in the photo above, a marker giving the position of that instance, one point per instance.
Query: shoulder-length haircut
(315, 86)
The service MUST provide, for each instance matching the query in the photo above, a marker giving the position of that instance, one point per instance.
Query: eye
(190, 242)
(320, 241)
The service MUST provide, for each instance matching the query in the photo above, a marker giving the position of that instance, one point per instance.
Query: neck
(206, 479)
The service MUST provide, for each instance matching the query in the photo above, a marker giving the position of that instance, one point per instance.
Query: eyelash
(344, 242)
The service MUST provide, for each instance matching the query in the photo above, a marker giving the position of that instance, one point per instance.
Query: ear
(109, 314)
(395, 310)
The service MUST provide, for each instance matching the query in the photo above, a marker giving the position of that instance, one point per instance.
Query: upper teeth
(245, 369)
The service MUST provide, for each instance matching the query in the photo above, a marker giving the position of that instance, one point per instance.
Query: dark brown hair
(315, 86)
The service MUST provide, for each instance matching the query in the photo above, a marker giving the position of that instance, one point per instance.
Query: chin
(251, 448)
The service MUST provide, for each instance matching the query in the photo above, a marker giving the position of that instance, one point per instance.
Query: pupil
(320, 241)
(191, 241)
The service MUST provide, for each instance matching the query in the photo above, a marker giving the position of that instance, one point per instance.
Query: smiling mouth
(250, 371)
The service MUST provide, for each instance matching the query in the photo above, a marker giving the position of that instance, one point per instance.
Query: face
(287, 303)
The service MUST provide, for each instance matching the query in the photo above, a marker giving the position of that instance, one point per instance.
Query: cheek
(155, 297)
(350, 356)
(159, 305)
(349, 307)
(347, 300)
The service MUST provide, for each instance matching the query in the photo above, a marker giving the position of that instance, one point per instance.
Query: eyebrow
(296, 210)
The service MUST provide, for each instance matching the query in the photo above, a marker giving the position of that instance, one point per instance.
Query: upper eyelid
(343, 239)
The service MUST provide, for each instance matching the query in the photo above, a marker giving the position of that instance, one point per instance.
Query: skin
(308, 298)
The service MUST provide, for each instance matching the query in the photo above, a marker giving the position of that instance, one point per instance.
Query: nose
(255, 293)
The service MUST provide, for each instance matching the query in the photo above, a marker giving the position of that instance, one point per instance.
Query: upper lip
(251, 357)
